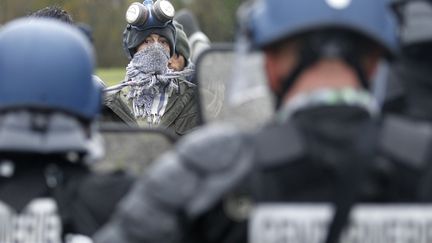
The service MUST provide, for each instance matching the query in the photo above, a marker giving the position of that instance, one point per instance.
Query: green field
(111, 76)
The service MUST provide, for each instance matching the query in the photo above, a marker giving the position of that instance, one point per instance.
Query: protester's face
(155, 38)
(177, 62)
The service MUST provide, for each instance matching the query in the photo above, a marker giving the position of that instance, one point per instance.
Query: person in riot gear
(321, 58)
(158, 96)
(48, 136)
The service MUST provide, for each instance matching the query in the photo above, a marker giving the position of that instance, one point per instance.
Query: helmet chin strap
(320, 46)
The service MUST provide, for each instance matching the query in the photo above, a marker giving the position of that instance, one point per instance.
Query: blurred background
(106, 17)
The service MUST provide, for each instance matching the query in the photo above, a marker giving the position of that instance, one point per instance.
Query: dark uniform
(48, 138)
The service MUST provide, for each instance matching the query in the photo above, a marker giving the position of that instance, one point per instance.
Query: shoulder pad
(222, 156)
(170, 182)
(205, 166)
(278, 144)
(146, 220)
(149, 211)
(212, 149)
(405, 140)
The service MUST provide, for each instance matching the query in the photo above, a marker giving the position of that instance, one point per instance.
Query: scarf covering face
(150, 97)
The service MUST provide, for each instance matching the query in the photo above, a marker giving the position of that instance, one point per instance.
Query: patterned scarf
(150, 95)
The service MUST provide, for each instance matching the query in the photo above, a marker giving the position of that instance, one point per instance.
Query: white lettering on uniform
(296, 223)
(38, 223)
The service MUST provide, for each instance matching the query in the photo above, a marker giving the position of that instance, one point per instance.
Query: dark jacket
(181, 114)
(116, 110)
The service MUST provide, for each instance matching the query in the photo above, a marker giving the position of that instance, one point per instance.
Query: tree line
(106, 18)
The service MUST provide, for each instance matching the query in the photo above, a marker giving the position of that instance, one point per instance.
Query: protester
(156, 96)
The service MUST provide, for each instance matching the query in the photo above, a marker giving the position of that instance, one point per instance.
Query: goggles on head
(144, 15)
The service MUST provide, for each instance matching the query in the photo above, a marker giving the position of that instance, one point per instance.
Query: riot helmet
(47, 65)
(344, 29)
(48, 99)
(148, 18)
(270, 22)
